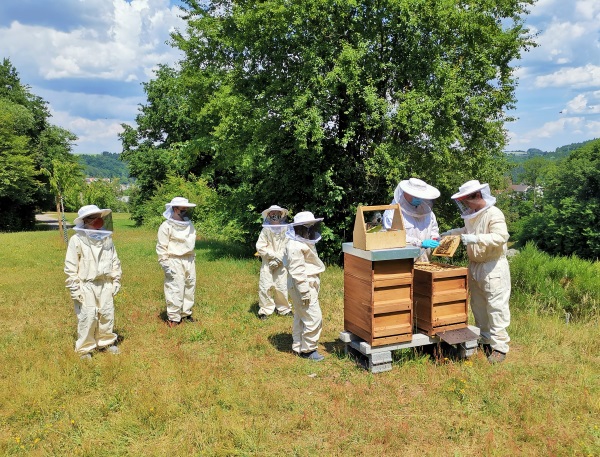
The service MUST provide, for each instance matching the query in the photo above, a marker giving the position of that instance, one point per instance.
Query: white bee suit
(175, 249)
(272, 283)
(304, 268)
(419, 221)
(93, 274)
(489, 275)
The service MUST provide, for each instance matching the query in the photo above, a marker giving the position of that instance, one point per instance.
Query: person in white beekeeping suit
(416, 200)
(272, 283)
(175, 249)
(93, 274)
(304, 270)
(485, 236)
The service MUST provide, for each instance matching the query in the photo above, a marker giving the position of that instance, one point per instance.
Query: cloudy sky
(88, 58)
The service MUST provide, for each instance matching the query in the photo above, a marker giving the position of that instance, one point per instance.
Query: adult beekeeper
(176, 256)
(485, 236)
(93, 274)
(304, 271)
(416, 201)
(272, 283)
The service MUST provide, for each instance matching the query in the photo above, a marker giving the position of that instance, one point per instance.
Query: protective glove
(306, 301)
(468, 239)
(116, 287)
(430, 244)
(273, 264)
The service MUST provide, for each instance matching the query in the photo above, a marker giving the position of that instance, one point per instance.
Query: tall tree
(325, 104)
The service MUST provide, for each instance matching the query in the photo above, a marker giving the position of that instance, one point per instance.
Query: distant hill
(516, 158)
(105, 165)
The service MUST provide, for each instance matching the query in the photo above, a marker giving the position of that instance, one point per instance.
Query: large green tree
(28, 144)
(326, 104)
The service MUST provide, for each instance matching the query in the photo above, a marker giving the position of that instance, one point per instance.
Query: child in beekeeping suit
(272, 283)
(304, 271)
(93, 274)
(175, 249)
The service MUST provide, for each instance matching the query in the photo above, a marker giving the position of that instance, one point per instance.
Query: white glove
(468, 239)
(306, 301)
(116, 287)
(273, 264)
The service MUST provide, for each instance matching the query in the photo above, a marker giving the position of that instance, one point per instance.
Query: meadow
(228, 384)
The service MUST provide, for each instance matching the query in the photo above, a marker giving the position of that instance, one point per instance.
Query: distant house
(520, 187)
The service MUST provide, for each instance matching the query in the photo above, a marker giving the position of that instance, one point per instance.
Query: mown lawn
(229, 385)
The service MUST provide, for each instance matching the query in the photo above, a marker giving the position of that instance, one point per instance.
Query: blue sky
(88, 58)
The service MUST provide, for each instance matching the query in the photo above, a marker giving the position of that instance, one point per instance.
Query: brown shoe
(496, 357)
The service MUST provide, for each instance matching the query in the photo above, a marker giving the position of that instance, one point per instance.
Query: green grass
(229, 385)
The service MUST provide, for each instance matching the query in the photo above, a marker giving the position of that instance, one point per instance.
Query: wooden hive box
(378, 296)
(440, 297)
(395, 237)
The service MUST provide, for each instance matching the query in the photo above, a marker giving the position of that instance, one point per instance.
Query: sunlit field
(229, 385)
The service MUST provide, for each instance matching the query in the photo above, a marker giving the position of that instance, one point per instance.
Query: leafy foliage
(105, 165)
(28, 145)
(568, 221)
(557, 285)
(322, 105)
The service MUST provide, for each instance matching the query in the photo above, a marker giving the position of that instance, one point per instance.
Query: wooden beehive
(395, 237)
(378, 299)
(440, 297)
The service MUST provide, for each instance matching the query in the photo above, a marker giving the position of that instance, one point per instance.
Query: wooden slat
(392, 267)
(392, 293)
(389, 330)
(356, 266)
(358, 331)
(454, 283)
(391, 339)
(390, 281)
(458, 307)
(450, 296)
(391, 306)
(450, 319)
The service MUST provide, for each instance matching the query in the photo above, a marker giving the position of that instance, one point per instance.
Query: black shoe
(486, 348)
(263, 317)
(496, 357)
(314, 356)
(189, 319)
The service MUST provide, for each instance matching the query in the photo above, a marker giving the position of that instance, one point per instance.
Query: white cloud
(579, 77)
(585, 103)
(129, 39)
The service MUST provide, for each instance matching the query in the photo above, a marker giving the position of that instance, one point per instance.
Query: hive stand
(379, 359)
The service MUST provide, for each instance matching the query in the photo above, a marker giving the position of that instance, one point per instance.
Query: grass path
(229, 385)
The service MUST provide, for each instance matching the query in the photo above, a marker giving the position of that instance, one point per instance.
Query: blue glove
(430, 244)
(468, 239)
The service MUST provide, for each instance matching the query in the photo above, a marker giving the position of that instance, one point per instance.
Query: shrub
(556, 284)
(209, 216)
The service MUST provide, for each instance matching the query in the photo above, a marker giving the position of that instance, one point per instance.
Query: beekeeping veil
(275, 218)
(468, 191)
(94, 222)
